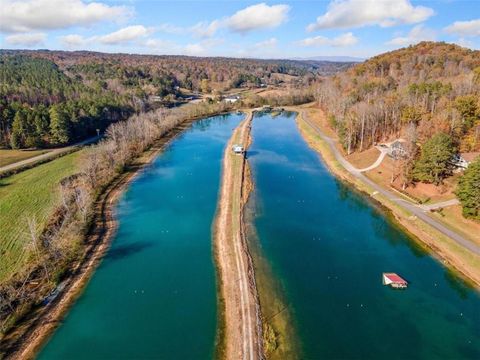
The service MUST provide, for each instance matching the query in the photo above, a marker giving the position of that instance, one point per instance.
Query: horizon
(239, 29)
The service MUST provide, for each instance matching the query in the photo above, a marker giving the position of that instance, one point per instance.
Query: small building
(232, 99)
(461, 161)
(397, 149)
(394, 281)
(238, 149)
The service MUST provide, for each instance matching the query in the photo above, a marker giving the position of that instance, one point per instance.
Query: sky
(269, 29)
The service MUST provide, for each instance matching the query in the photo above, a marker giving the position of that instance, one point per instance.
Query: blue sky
(281, 29)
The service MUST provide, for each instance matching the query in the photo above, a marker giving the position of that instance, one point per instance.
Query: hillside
(428, 95)
(50, 98)
(433, 86)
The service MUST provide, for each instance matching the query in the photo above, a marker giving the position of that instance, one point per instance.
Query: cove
(328, 246)
(154, 294)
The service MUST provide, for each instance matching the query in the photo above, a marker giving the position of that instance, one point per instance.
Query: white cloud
(343, 14)
(170, 29)
(34, 15)
(73, 41)
(205, 29)
(201, 48)
(465, 43)
(267, 44)
(465, 28)
(255, 17)
(28, 40)
(259, 16)
(347, 39)
(125, 35)
(417, 34)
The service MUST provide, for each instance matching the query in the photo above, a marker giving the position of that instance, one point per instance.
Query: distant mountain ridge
(332, 58)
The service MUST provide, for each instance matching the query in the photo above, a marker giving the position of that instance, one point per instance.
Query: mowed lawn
(8, 157)
(34, 194)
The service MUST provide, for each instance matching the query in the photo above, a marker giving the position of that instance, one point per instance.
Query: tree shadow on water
(252, 153)
(123, 251)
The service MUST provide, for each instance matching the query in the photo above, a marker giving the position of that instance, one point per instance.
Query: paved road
(439, 205)
(47, 155)
(407, 205)
(383, 152)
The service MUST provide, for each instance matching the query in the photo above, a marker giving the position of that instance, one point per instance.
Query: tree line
(427, 94)
(62, 241)
(53, 98)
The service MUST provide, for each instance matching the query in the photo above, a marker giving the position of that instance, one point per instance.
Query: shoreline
(27, 338)
(239, 333)
(420, 232)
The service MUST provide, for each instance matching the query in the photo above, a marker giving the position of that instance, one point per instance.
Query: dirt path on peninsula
(242, 322)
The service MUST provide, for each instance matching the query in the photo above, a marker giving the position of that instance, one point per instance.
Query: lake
(154, 295)
(328, 246)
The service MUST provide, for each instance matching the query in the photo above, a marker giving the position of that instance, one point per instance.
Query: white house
(397, 149)
(232, 99)
(461, 161)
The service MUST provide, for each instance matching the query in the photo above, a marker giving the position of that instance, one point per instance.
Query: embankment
(34, 330)
(447, 250)
(240, 330)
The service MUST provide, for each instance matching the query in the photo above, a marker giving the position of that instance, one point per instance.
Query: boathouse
(394, 281)
(238, 149)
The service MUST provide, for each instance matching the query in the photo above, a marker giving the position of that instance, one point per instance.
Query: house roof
(395, 278)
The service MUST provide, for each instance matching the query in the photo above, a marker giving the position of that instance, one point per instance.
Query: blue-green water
(154, 294)
(329, 246)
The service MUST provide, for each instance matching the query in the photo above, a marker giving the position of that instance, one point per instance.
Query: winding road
(418, 211)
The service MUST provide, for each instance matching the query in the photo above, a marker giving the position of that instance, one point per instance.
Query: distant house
(397, 149)
(238, 149)
(461, 161)
(232, 99)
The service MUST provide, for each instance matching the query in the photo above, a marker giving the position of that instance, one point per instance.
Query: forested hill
(429, 88)
(56, 97)
(428, 95)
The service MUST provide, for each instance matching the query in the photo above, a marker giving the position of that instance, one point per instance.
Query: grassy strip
(17, 170)
(448, 251)
(34, 327)
(31, 194)
(8, 157)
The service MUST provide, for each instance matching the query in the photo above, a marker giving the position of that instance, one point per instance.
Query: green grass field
(33, 193)
(8, 157)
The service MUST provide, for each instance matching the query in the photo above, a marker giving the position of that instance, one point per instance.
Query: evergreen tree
(434, 162)
(468, 190)
(23, 133)
(59, 126)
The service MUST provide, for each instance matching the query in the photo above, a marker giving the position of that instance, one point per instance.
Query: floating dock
(394, 280)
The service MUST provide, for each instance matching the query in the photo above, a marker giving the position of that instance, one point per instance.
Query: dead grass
(363, 159)
(8, 157)
(424, 193)
(273, 92)
(452, 216)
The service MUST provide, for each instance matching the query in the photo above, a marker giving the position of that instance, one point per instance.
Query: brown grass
(424, 193)
(8, 157)
(363, 159)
